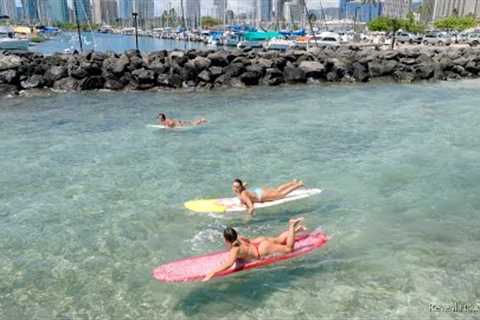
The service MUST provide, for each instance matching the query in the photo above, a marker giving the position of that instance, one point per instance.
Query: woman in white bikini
(260, 195)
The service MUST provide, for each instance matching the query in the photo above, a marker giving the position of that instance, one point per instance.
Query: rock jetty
(213, 68)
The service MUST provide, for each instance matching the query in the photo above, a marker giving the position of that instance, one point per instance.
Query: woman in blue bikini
(259, 195)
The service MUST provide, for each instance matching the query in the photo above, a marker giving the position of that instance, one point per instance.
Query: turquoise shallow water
(91, 201)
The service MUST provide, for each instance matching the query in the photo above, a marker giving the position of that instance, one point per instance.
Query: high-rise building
(293, 10)
(125, 8)
(105, 11)
(109, 11)
(220, 8)
(192, 13)
(30, 10)
(53, 11)
(396, 8)
(144, 8)
(364, 12)
(97, 11)
(8, 8)
(278, 7)
(82, 10)
(264, 10)
(445, 8)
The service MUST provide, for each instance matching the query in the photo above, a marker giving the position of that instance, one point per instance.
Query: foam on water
(92, 201)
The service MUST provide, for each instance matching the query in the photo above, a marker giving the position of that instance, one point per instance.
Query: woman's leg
(268, 247)
(272, 195)
(284, 186)
(282, 237)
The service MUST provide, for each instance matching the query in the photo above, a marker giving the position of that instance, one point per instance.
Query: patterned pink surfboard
(195, 268)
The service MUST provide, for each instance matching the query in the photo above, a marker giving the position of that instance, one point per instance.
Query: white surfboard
(231, 205)
(159, 126)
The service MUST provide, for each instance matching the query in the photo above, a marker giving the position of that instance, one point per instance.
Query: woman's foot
(295, 222)
(300, 228)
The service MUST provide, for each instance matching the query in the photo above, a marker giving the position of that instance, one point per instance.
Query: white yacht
(9, 42)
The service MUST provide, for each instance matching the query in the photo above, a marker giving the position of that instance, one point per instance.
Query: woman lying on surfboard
(243, 248)
(172, 123)
(259, 195)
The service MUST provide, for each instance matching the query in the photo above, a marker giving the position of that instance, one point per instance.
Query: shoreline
(210, 69)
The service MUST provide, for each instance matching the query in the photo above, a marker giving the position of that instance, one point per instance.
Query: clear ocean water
(91, 201)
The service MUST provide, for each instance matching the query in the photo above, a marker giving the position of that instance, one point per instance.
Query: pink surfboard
(196, 268)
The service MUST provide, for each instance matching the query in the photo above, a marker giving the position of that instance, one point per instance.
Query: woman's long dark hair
(231, 236)
(240, 182)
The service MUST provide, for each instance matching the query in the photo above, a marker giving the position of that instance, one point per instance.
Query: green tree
(209, 22)
(456, 23)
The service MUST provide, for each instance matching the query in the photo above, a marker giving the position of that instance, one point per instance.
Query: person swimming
(260, 195)
(244, 248)
(173, 123)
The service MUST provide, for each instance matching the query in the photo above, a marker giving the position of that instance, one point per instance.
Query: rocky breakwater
(209, 69)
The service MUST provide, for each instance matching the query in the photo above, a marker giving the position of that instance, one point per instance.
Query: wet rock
(218, 59)
(204, 76)
(66, 84)
(55, 73)
(113, 84)
(9, 62)
(169, 80)
(92, 83)
(312, 69)
(360, 72)
(294, 74)
(143, 79)
(35, 81)
(8, 90)
(9, 76)
(215, 71)
(201, 63)
(250, 78)
(381, 68)
(273, 77)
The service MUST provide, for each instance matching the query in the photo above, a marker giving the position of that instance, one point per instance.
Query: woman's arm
(248, 202)
(232, 257)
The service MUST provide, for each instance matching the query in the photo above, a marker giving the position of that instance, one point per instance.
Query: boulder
(9, 76)
(312, 69)
(120, 64)
(35, 81)
(158, 67)
(55, 73)
(250, 78)
(143, 79)
(113, 84)
(9, 62)
(169, 80)
(294, 74)
(78, 72)
(66, 84)
(204, 76)
(215, 71)
(8, 90)
(234, 69)
(424, 71)
(273, 77)
(404, 76)
(92, 83)
(242, 60)
(218, 59)
(381, 68)
(360, 72)
(135, 63)
(201, 63)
